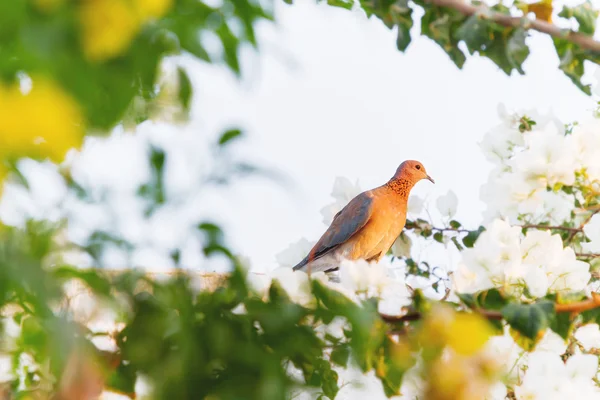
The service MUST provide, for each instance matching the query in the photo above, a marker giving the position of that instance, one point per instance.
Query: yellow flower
(148, 9)
(468, 333)
(108, 26)
(46, 122)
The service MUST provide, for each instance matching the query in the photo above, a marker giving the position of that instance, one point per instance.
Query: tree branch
(555, 227)
(583, 41)
(577, 307)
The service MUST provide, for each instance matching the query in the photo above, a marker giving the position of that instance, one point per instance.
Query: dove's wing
(351, 219)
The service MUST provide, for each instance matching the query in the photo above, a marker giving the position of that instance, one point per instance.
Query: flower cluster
(536, 156)
(503, 258)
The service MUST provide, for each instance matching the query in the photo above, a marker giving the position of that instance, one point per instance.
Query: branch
(577, 307)
(583, 41)
(587, 255)
(555, 227)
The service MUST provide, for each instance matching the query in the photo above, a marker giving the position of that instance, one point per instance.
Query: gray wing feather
(346, 223)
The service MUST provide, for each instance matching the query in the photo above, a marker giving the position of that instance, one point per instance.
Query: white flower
(447, 204)
(547, 377)
(361, 276)
(592, 231)
(494, 260)
(586, 141)
(549, 159)
(500, 259)
(402, 245)
(343, 191)
(415, 205)
(589, 336)
(294, 253)
(497, 392)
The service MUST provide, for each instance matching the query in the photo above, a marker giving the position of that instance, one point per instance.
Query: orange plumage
(368, 225)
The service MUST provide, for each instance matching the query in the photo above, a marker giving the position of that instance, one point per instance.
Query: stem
(555, 227)
(583, 41)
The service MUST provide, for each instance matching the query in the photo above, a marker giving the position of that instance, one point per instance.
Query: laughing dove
(368, 225)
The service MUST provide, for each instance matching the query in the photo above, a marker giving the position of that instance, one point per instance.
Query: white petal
(582, 366)
(589, 336)
(402, 245)
(536, 281)
(447, 204)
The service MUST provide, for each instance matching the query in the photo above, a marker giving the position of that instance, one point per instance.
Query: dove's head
(413, 171)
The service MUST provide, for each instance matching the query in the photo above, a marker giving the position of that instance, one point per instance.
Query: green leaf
(401, 14)
(230, 135)
(346, 4)
(185, 88)
(584, 14)
(455, 224)
(491, 299)
(472, 237)
(457, 244)
(468, 299)
(439, 237)
(474, 32)
(517, 50)
(571, 62)
(340, 354)
(440, 24)
(563, 324)
(531, 320)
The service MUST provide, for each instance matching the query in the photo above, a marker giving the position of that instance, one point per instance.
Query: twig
(583, 41)
(459, 230)
(587, 255)
(554, 227)
(573, 308)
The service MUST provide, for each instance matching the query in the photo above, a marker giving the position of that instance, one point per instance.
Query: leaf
(472, 236)
(340, 355)
(438, 237)
(531, 320)
(230, 135)
(571, 62)
(439, 24)
(401, 14)
(584, 14)
(185, 88)
(346, 4)
(517, 50)
(474, 32)
(455, 224)
(563, 324)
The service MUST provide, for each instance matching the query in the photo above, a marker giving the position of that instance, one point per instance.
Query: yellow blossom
(152, 8)
(108, 26)
(46, 122)
(468, 333)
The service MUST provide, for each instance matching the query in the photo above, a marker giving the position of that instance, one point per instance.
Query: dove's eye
(418, 167)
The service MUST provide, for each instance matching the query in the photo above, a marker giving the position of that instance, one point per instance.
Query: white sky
(328, 95)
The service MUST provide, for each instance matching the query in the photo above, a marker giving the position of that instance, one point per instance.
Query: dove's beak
(430, 179)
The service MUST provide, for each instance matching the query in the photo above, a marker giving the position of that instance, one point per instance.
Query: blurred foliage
(92, 63)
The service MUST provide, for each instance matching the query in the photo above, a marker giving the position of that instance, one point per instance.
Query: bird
(368, 225)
